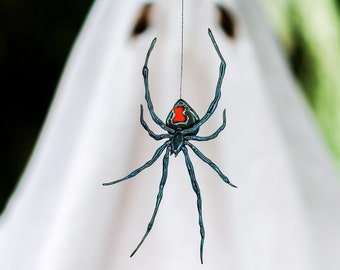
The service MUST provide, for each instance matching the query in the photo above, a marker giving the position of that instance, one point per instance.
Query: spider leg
(145, 72)
(146, 165)
(146, 127)
(214, 103)
(210, 163)
(214, 135)
(158, 200)
(199, 199)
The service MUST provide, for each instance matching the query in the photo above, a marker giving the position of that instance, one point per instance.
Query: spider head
(177, 141)
(182, 116)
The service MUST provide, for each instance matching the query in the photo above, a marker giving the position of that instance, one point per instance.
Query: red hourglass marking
(179, 116)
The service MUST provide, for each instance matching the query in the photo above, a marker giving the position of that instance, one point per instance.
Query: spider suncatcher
(182, 125)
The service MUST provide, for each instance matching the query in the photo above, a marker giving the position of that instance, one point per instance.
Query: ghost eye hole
(143, 20)
(226, 20)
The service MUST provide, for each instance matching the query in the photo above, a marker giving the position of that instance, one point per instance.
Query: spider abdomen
(182, 116)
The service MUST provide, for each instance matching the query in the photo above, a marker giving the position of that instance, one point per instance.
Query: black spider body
(181, 118)
(182, 125)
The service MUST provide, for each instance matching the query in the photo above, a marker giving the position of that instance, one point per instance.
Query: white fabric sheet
(285, 212)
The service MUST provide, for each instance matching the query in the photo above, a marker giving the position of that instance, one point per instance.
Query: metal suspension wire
(182, 41)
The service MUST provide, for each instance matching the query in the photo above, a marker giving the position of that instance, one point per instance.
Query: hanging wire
(181, 79)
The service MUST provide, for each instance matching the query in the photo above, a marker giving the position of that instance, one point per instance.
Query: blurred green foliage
(35, 39)
(310, 34)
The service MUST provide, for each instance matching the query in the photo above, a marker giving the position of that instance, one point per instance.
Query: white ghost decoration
(285, 213)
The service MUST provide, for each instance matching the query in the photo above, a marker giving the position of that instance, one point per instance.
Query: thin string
(181, 80)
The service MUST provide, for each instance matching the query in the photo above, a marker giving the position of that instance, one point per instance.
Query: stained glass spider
(182, 125)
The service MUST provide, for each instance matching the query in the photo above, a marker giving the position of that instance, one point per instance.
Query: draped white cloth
(285, 213)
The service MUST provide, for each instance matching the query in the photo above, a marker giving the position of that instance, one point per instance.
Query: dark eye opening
(226, 21)
(143, 20)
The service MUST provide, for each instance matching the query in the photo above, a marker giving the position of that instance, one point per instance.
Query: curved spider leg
(158, 152)
(199, 199)
(145, 72)
(158, 200)
(214, 103)
(212, 136)
(210, 163)
(146, 127)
